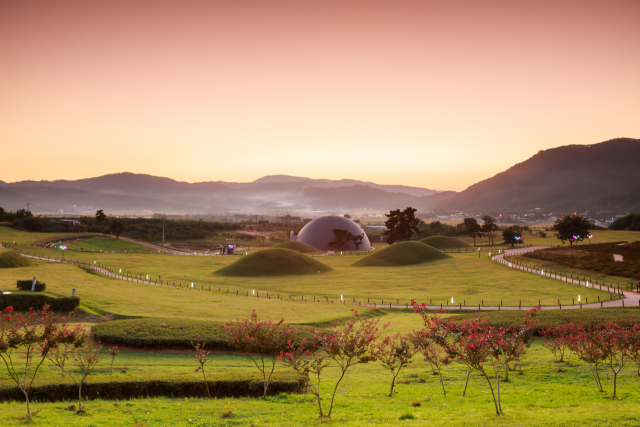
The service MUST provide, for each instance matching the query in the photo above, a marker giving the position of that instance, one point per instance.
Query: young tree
(85, 355)
(489, 227)
(117, 228)
(261, 341)
(473, 228)
(635, 345)
(202, 356)
(437, 358)
(346, 346)
(620, 340)
(113, 352)
(572, 228)
(395, 353)
(27, 339)
(401, 225)
(591, 346)
(554, 340)
(306, 361)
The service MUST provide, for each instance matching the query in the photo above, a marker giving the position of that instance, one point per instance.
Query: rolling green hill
(404, 253)
(274, 262)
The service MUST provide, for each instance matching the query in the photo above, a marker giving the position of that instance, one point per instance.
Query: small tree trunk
(442, 384)
(80, 396)
(495, 402)
(205, 382)
(26, 397)
(467, 383)
(334, 393)
(393, 382)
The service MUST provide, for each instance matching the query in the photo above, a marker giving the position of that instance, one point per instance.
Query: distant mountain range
(598, 177)
(604, 176)
(136, 192)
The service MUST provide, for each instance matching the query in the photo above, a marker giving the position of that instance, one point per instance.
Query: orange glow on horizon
(424, 93)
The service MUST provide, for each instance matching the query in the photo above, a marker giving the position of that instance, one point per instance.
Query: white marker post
(33, 284)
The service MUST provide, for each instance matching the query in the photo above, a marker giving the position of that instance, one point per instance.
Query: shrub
(416, 403)
(25, 285)
(22, 302)
(166, 333)
(408, 416)
(227, 385)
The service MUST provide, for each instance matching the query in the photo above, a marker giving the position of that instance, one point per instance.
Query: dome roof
(319, 232)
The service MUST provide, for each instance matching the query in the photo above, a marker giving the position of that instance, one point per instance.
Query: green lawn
(465, 277)
(106, 244)
(540, 396)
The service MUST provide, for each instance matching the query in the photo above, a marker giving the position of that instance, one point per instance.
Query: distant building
(71, 221)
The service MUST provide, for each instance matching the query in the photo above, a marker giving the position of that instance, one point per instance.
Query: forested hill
(598, 177)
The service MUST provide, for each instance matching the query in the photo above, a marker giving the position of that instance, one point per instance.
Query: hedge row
(229, 385)
(512, 318)
(25, 285)
(22, 302)
(162, 334)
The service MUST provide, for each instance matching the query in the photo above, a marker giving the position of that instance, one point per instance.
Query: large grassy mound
(404, 253)
(10, 259)
(274, 262)
(298, 247)
(444, 242)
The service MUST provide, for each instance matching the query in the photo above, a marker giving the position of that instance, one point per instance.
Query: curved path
(629, 299)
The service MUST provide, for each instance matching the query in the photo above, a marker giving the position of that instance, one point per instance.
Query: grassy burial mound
(444, 242)
(274, 262)
(298, 247)
(11, 259)
(404, 253)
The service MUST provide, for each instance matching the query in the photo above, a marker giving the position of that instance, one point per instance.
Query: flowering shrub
(202, 356)
(435, 355)
(346, 346)
(261, 340)
(84, 353)
(395, 353)
(478, 345)
(32, 336)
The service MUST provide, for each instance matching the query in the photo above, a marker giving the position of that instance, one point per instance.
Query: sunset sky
(439, 94)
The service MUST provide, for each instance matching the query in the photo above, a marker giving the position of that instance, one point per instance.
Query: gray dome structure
(319, 232)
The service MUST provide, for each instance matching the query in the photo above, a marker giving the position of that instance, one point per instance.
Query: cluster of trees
(475, 230)
(630, 222)
(607, 347)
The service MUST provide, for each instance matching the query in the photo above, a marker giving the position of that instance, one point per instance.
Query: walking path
(629, 299)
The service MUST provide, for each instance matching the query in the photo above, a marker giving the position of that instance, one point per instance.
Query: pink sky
(439, 94)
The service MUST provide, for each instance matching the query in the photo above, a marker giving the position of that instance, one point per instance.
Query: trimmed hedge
(162, 334)
(229, 385)
(25, 285)
(509, 318)
(22, 302)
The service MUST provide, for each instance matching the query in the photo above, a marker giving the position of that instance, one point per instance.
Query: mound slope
(444, 242)
(10, 259)
(297, 246)
(274, 262)
(404, 253)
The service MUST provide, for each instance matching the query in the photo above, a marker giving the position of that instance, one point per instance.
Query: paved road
(630, 298)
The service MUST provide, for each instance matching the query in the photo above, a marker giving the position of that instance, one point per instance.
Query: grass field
(106, 244)
(540, 396)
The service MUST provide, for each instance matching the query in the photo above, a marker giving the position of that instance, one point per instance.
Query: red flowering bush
(262, 341)
(202, 356)
(394, 353)
(346, 346)
(32, 336)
